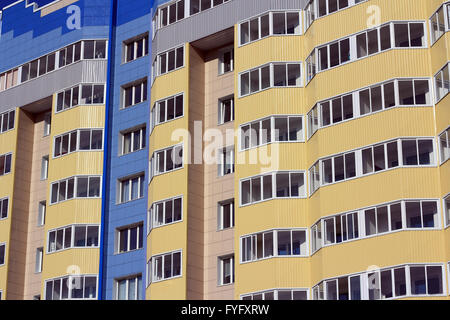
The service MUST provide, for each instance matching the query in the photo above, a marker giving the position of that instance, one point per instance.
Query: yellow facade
(82, 261)
(399, 183)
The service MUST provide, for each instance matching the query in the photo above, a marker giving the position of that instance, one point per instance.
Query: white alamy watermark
(205, 146)
(73, 22)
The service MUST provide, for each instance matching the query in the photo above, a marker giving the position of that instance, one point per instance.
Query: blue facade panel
(25, 35)
(132, 19)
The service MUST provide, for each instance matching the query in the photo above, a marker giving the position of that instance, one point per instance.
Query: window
(131, 188)
(167, 109)
(2, 253)
(129, 288)
(226, 110)
(339, 168)
(442, 83)
(79, 287)
(39, 258)
(9, 79)
(444, 144)
(447, 210)
(130, 238)
(133, 140)
(168, 61)
(414, 92)
(274, 243)
(225, 215)
(377, 220)
(270, 75)
(165, 266)
(4, 208)
(135, 48)
(5, 164)
(226, 270)
(170, 14)
(47, 124)
(416, 152)
(226, 61)
(44, 168)
(200, 5)
(272, 185)
(278, 294)
(421, 214)
(94, 49)
(52, 61)
(75, 188)
(226, 161)
(70, 54)
(134, 93)
(316, 237)
(7, 120)
(78, 140)
(166, 160)
(271, 129)
(73, 236)
(165, 212)
(283, 23)
(42, 208)
(84, 94)
(426, 280)
(392, 282)
(311, 68)
(438, 22)
(366, 43)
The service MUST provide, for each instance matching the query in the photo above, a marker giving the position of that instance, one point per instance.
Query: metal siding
(47, 85)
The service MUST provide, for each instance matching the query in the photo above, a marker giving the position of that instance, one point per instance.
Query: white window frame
(2, 203)
(155, 111)
(221, 109)
(127, 279)
(75, 188)
(273, 132)
(221, 269)
(143, 84)
(273, 291)
(39, 260)
(139, 226)
(274, 232)
(142, 129)
(3, 244)
(72, 238)
(134, 42)
(220, 214)
(273, 175)
(151, 214)
(151, 269)
(362, 223)
(70, 280)
(223, 153)
(141, 180)
(9, 114)
(154, 161)
(271, 66)
(221, 66)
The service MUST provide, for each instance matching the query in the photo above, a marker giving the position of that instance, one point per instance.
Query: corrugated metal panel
(47, 85)
(215, 20)
(94, 71)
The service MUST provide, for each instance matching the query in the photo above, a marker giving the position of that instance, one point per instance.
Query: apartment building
(225, 149)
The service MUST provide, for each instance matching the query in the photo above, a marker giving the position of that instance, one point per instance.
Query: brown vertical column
(20, 208)
(38, 193)
(195, 236)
